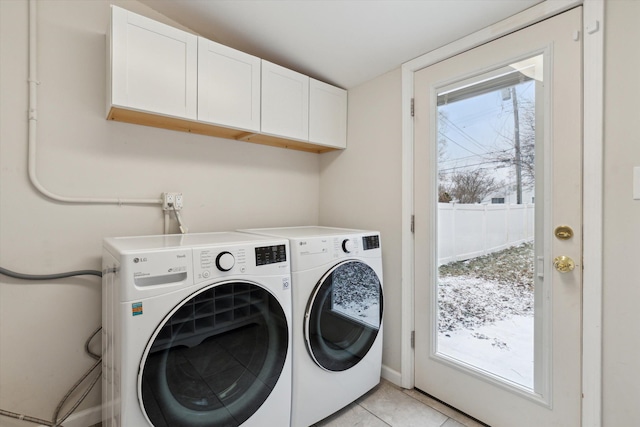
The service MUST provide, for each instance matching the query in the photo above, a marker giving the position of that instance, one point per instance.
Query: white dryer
(196, 331)
(337, 317)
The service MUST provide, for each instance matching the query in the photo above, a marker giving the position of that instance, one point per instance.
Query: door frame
(593, 146)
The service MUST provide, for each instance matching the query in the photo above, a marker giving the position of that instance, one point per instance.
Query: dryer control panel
(312, 251)
(352, 245)
(370, 242)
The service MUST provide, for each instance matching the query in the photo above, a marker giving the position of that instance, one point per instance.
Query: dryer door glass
(343, 316)
(215, 358)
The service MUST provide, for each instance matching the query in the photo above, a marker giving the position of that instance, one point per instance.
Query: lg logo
(137, 260)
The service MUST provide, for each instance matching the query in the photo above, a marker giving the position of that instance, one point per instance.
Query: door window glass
(487, 128)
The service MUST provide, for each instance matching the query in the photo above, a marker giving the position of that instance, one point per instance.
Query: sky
(477, 129)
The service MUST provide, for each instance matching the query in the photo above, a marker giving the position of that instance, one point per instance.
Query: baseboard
(85, 418)
(391, 375)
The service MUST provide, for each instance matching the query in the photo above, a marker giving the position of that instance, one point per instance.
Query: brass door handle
(563, 264)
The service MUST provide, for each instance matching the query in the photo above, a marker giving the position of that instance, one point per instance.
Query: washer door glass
(215, 358)
(343, 316)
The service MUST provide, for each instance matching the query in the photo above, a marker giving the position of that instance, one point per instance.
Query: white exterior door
(498, 272)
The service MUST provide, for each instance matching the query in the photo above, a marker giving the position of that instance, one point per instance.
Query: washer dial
(225, 261)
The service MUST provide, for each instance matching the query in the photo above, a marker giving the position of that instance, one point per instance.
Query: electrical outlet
(179, 201)
(167, 201)
(171, 201)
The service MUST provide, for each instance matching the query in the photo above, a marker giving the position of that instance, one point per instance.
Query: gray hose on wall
(57, 420)
(23, 276)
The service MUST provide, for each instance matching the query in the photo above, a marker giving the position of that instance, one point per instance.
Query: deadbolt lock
(564, 264)
(563, 232)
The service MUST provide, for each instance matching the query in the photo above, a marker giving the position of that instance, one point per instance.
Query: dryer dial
(348, 246)
(225, 261)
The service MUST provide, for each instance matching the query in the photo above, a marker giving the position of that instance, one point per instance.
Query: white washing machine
(337, 317)
(196, 331)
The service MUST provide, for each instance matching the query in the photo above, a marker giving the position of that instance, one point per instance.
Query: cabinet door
(327, 114)
(153, 66)
(285, 102)
(228, 86)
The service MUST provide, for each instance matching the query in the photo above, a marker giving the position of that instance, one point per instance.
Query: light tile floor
(388, 405)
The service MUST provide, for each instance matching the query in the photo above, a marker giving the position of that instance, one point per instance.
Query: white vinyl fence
(468, 231)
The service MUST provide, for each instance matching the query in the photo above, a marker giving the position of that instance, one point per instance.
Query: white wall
(361, 188)
(226, 185)
(621, 309)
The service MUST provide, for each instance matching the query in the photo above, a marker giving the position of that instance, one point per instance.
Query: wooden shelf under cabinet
(172, 123)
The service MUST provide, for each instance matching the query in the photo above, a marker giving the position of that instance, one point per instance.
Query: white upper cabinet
(164, 77)
(285, 102)
(228, 86)
(327, 114)
(153, 66)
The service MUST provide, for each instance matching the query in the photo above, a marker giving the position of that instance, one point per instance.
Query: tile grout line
(422, 403)
(451, 408)
(386, 423)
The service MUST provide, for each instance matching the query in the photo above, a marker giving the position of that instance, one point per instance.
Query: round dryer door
(343, 316)
(215, 358)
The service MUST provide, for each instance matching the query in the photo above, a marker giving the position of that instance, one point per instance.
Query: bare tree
(472, 186)
(443, 193)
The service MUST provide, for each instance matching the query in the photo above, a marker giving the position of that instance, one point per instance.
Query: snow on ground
(485, 313)
(356, 293)
(470, 302)
(504, 348)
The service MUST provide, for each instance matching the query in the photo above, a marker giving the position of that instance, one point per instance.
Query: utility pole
(516, 141)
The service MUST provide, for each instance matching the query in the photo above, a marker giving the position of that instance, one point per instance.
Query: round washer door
(215, 358)
(343, 316)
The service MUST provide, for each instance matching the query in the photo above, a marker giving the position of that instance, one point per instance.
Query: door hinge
(413, 339)
(413, 108)
(413, 223)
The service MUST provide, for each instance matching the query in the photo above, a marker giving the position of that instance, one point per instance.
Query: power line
(477, 116)
(458, 144)
(488, 162)
(475, 155)
(464, 134)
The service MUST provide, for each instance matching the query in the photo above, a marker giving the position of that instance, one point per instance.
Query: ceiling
(341, 42)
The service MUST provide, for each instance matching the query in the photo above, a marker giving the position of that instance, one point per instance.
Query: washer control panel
(271, 254)
(215, 262)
